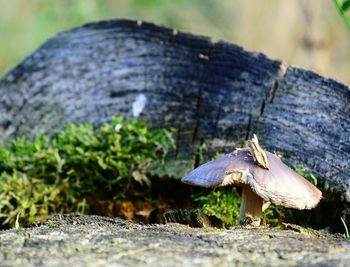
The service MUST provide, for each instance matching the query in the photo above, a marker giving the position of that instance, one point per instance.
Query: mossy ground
(77, 168)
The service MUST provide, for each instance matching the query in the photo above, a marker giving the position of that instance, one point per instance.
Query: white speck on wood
(138, 105)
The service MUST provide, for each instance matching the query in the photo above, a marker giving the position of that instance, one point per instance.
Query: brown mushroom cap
(279, 184)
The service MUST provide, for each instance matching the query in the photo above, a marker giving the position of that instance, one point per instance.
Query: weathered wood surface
(213, 92)
(100, 241)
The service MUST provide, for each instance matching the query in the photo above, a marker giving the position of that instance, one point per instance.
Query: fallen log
(212, 92)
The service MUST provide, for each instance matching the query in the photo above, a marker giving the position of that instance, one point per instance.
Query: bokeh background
(307, 33)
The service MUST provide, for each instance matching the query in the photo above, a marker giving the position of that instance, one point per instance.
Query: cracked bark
(90, 73)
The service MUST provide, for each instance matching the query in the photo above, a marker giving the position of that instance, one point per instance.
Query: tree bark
(212, 92)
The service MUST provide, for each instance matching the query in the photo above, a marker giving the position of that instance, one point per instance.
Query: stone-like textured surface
(99, 241)
(212, 92)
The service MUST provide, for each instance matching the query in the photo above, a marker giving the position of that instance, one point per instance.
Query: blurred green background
(307, 33)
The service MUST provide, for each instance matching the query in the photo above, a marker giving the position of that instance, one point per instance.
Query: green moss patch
(81, 163)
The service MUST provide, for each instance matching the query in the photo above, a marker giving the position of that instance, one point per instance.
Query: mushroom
(263, 178)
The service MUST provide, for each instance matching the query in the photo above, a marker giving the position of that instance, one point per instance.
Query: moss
(306, 173)
(52, 224)
(222, 203)
(274, 215)
(60, 174)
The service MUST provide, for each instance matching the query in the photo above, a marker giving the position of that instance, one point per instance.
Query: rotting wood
(90, 73)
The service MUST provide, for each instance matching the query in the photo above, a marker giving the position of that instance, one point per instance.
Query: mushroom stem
(251, 206)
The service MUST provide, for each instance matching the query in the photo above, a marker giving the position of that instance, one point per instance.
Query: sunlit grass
(347, 234)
